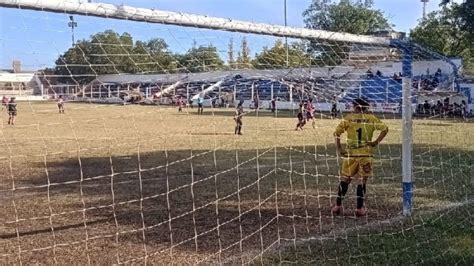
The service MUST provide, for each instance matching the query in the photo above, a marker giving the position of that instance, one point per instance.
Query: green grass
(117, 184)
(439, 238)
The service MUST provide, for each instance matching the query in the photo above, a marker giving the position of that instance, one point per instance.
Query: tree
(201, 59)
(243, 56)
(350, 16)
(105, 53)
(444, 32)
(275, 57)
(154, 56)
(74, 65)
(230, 54)
(466, 12)
(111, 53)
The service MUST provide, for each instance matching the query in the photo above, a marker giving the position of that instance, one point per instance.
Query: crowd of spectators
(424, 82)
(444, 109)
(428, 82)
(370, 73)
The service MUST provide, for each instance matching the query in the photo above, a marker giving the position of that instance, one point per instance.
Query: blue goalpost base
(407, 198)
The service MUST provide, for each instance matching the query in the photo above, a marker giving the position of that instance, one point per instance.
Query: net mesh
(132, 172)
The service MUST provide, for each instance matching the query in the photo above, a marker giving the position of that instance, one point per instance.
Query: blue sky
(38, 38)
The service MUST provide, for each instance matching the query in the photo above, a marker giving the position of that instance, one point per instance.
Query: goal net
(189, 139)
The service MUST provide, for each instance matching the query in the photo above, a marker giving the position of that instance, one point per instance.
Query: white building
(19, 83)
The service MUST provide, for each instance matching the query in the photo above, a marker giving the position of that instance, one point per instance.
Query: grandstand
(379, 83)
(344, 82)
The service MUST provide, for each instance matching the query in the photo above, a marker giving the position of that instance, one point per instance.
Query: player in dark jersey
(334, 110)
(12, 111)
(357, 157)
(301, 119)
(200, 101)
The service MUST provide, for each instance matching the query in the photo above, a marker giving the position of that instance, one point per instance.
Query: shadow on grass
(216, 204)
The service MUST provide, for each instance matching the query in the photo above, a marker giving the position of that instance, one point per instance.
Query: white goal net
(188, 139)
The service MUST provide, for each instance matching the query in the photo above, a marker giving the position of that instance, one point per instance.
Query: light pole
(424, 8)
(72, 24)
(286, 38)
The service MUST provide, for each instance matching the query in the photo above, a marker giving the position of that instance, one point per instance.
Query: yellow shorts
(361, 166)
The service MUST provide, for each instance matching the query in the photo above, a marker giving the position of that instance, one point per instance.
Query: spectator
(273, 105)
(463, 109)
(446, 103)
(419, 108)
(457, 110)
(222, 101)
(370, 74)
(241, 100)
(379, 74)
(426, 107)
(256, 102)
(451, 110)
(439, 107)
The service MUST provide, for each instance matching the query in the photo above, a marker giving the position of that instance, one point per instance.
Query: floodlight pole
(286, 38)
(424, 8)
(72, 24)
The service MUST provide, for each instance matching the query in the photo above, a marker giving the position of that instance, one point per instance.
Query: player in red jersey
(180, 104)
(5, 102)
(61, 104)
(310, 112)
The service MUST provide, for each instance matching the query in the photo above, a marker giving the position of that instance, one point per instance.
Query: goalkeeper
(357, 159)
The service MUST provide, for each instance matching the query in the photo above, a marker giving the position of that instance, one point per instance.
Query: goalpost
(149, 184)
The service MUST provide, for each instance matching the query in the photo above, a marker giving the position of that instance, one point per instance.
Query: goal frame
(124, 12)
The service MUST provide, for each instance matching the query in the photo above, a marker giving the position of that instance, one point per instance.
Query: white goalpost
(177, 142)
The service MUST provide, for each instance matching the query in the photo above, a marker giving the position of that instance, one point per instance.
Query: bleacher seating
(376, 89)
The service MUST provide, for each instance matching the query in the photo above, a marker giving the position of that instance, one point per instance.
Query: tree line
(111, 53)
(448, 31)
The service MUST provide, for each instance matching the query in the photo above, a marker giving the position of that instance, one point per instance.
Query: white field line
(340, 233)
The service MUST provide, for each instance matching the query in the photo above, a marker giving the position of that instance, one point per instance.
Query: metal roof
(274, 74)
(16, 77)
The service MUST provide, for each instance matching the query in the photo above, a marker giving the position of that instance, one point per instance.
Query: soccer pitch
(106, 184)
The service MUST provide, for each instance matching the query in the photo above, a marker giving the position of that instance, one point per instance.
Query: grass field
(107, 184)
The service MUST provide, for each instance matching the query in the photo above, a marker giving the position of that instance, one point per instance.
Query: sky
(37, 38)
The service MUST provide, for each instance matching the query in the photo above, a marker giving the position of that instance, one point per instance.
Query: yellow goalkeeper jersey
(360, 129)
